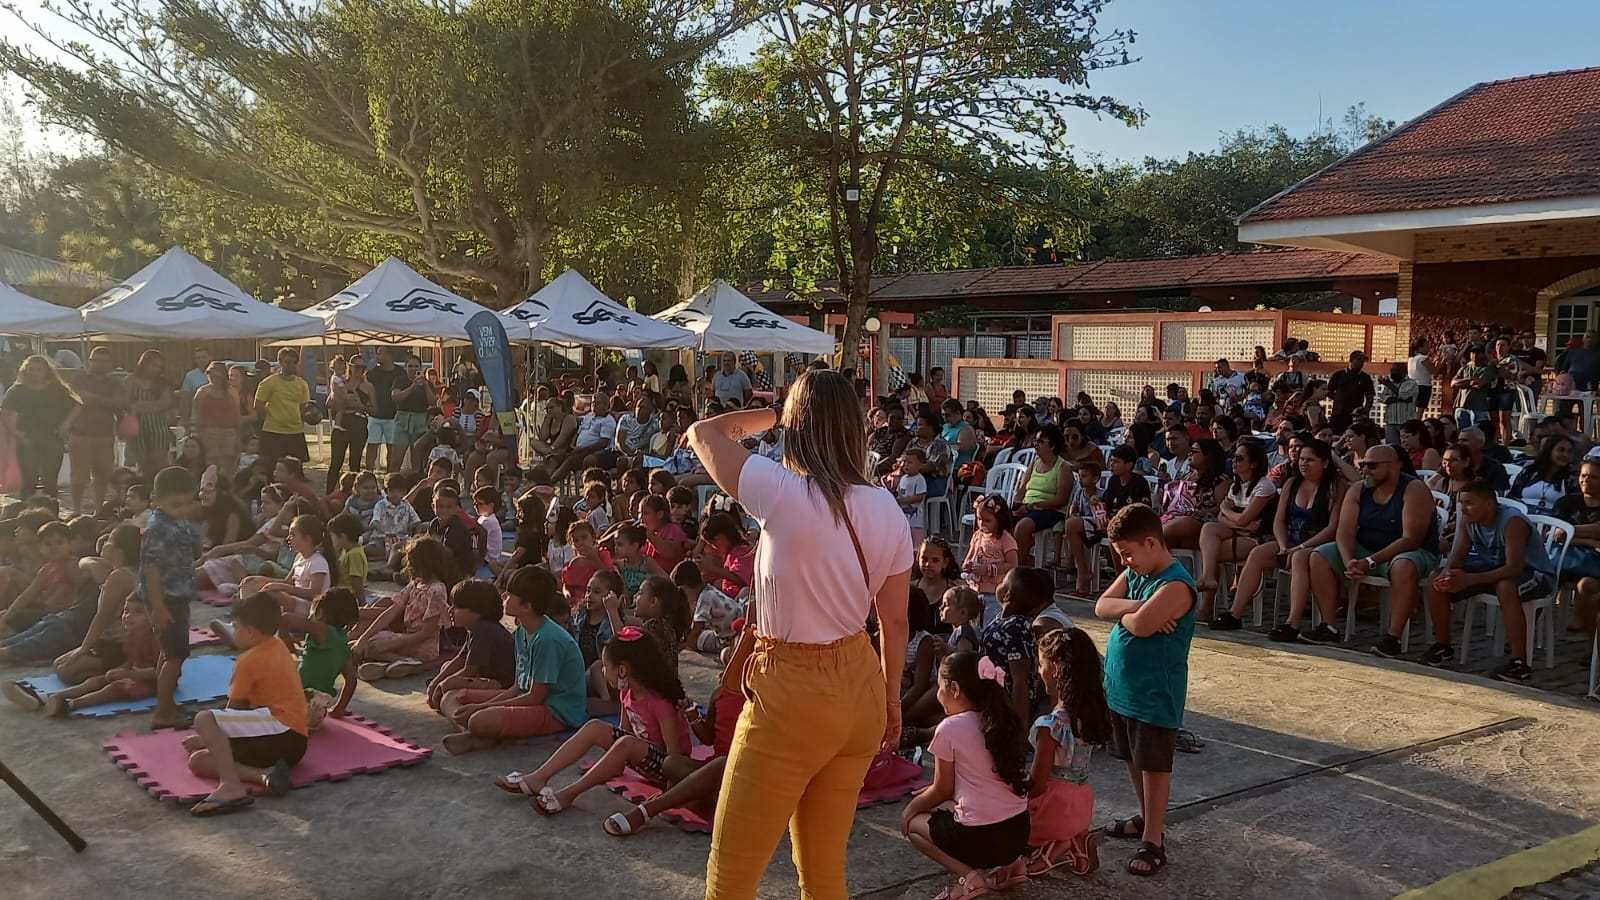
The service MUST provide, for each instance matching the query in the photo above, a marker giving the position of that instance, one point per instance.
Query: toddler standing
(167, 556)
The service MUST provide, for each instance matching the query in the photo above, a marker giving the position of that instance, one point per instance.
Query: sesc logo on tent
(196, 296)
(598, 312)
(525, 312)
(753, 319)
(418, 298)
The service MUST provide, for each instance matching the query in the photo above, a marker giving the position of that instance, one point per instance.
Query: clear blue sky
(1211, 67)
(1208, 67)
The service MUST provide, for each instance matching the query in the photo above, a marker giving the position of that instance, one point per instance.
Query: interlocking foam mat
(204, 679)
(200, 637)
(339, 749)
(213, 597)
(892, 780)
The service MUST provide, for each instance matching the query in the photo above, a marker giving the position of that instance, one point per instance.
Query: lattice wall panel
(941, 350)
(1332, 341)
(1211, 341)
(992, 387)
(1122, 386)
(1385, 344)
(1104, 341)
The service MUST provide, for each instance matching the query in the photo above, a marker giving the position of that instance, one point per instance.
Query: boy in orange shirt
(262, 731)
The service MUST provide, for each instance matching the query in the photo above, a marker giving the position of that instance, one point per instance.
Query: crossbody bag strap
(860, 556)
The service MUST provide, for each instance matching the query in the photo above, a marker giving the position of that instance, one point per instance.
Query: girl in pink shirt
(654, 739)
(978, 762)
(993, 552)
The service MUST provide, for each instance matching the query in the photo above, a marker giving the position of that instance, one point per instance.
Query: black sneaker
(1322, 634)
(1439, 656)
(1516, 672)
(1226, 621)
(1284, 634)
(1387, 647)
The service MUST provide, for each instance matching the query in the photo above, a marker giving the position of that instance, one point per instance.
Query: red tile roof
(1531, 138)
(1250, 267)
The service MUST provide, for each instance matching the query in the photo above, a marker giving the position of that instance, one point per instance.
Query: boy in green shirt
(327, 651)
(1146, 672)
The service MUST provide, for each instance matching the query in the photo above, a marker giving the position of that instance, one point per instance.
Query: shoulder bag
(733, 676)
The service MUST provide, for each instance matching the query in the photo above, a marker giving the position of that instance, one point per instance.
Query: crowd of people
(590, 535)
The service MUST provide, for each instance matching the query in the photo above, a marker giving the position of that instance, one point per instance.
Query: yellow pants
(812, 721)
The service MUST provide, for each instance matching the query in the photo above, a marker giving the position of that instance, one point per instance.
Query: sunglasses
(1368, 466)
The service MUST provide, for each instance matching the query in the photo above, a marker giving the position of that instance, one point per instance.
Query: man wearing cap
(1352, 391)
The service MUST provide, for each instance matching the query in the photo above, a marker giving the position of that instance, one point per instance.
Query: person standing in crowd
(1417, 370)
(215, 415)
(149, 397)
(39, 409)
(730, 383)
(828, 702)
(92, 441)
(1400, 400)
(413, 394)
(196, 378)
(279, 401)
(380, 418)
(1227, 384)
(1534, 363)
(1352, 391)
(938, 392)
(349, 404)
(1583, 362)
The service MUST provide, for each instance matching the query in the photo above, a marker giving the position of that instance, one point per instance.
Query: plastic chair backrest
(1442, 500)
(1004, 456)
(1002, 479)
(1425, 474)
(1557, 534)
(1025, 457)
(1512, 472)
(1517, 505)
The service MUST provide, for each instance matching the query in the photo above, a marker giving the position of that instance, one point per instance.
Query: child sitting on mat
(393, 521)
(262, 731)
(488, 660)
(1060, 799)
(133, 678)
(327, 652)
(102, 645)
(714, 611)
(53, 589)
(664, 615)
(696, 790)
(230, 564)
(344, 533)
(548, 694)
(978, 762)
(404, 638)
(655, 742)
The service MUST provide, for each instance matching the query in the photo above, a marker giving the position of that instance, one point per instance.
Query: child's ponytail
(984, 684)
(643, 656)
(322, 540)
(1080, 688)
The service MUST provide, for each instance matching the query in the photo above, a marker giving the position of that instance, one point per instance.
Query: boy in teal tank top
(1147, 672)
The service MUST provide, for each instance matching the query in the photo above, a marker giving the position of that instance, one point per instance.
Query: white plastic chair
(943, 505)
(1002, 480)
(703, 494)
(1425, 474)
(1517, 505)
(874, 459)
(1443, 501)
(1513, 471)
(1025, 457)
(1557, 536)
(1004, 456)
(1527, 415)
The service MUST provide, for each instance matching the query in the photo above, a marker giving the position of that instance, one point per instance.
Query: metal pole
(45, 812)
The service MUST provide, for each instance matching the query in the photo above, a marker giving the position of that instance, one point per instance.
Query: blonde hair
(36, 361)
(823, 437)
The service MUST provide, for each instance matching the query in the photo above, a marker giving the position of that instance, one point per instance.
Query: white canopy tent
(725, 319)
(26, 316)
(570, 310)
(178, 296)
(392, 304)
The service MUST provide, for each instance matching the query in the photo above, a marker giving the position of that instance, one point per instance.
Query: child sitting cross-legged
(404, 638)
(327, 652)
(654, 744)
(664, 615)
(262, 731)
(488, 659)
(1060, 800)
(134, 678)
(978, 762)
(547, 695)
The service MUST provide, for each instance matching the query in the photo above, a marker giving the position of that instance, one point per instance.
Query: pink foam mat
(339, 749)
(214, 597)
(888, 786)
(200, 637)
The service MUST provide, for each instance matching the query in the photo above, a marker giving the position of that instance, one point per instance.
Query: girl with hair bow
(978, 763)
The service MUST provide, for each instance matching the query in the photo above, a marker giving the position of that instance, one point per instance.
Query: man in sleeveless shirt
(1387, 529)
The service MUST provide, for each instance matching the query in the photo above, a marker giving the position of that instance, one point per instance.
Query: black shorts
(109, 652)
(174, 639)
(980, 846)
(276, 446)
(266, 751)
(1148, 747)
(654, 758)
(1045, 519)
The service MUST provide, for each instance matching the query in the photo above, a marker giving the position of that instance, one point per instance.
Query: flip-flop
(213, 807)
(1188, 742)
(22, 695)
(513, 783)
(617, 824)
(278, 780)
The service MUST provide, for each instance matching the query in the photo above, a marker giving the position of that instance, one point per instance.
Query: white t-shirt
(393, 520)
(596, 429)
(808, 583)
(717, 610)
(1418, 370)
(1241, 498)
(306, 567)
(494, 543)
(911, 486)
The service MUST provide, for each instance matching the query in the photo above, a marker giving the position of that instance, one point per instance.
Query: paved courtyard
(1325, 774)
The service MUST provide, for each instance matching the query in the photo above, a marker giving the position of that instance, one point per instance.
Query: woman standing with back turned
(821, 703)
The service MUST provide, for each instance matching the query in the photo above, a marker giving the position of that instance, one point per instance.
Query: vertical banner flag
(488, 338)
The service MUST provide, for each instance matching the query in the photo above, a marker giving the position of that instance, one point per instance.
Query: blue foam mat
(204, 679)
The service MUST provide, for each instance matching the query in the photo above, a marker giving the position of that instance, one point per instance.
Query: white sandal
(513, 783)
(546, 801)
(617, 824)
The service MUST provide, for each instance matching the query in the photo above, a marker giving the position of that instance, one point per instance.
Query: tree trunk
(688, 207)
